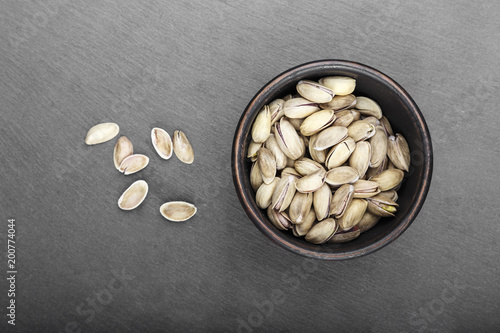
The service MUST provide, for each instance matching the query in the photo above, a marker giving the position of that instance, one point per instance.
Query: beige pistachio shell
(391, 195)
(353, 214)
(134, 195)
(388, 179)
(317, 155)
(340, 153)
(288, 139)
(279, 219)
(361, 130)
(162, 142)
(255, 176)
(372, 120)
(182, 147)
(253, 148)
(101, 133)
(360, 158)
(399, 152)
(340, 103)
(314, 92)
(376, 170)
(365, 189)
(133, 164)
(317, 122)
(368, 221)
(384, 122)
(296, 122)
(329, 137)
(300, 230)
(299, 107)
(300, 207)
(322, 232)
(381, 206)
(321, 202)
(305, 166)
(341, 200)
(264, 194)
(290, 171)
(312, 182)
(378, 143)
(284, 192)
(276, 109)
(267, 165)
(177, 211)
(368, 107)
(341, 85)
(345, 236)
(344, 118)
(262, 125)
(341, 175)
(279, 156)
(123, 148)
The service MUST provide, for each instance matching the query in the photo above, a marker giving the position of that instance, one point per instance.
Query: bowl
(405, 118)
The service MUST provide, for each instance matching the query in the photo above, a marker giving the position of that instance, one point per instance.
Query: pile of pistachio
(326, 163)
(128, 163)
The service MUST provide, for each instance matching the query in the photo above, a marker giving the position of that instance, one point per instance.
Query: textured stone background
(66, 65)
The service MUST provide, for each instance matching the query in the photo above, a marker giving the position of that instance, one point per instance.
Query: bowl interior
(404, 117)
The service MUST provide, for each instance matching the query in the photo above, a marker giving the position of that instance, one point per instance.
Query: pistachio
(368, 221)
(133, 164)
(316, 122)
(368, 107)
(296, 122)
(321, 202)
(388, 179)
(134, 195)
(353, 214)
(341, 175)
(360, 158)
(341, 85)
(177, 211)
(317, 155)
(372, 120)
(340, 153)
(279, 219)
(299, 107)
(376, 170)
(399, 152)
(276, 109)
(306, 166)
(288, 139)
(340, 103)
(267, 165)
(381, 206)
(378, 143)
(262, 125)
(101, 133)
(278, 154)
(123, 149)
(265, 192)
(300, 230)
(330, 137)
(162, 142)
(322, 232)
(255, 176)
(384, 122)
(300, 207)
(365, 189)
(345, 236)
(344, 118)
(361, 130)
(284, 192)
(391, 195)
(182, 147)
(341, 200)
(290, 171)
(314, 92)
(311, 182)
(253, 148)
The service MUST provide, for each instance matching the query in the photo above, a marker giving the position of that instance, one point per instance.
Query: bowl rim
(237, 163)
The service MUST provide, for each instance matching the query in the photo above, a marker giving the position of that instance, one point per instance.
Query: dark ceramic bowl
(405, 118)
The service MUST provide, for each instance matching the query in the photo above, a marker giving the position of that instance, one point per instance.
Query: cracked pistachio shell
(345, 236)
(344, 118)
(279, 156)
(290, 171)
(279, 219)
(381, 206)
(384, 122)
(372, 120)
(353, 214)
(317, 122)
(365, 189)
(391, 195)
(284, 192)
(368, 221)
(399, 152)
(341, 199)
(289, 162)
(340, 153)
(340, 103)
(255, 176)
(276, 109)
(253, 148)
(182, 147)
(376, 170)
(388, 179)
(162, 142)
(134, 195)
(101, 133)
(296, 122)
(267, 165)
(265, 192)
(305, 166)
(288, 139)
(314, 92)
(299, 107)
(262, 125)
(317, 155)
(123, 149)
(361, 130)
(133, 164)
(330, 137)
(321, 202)
(300, 230)
(368, 107)
(378, 143)
(360, 158)
(341, 85)
(312, 182)
(342, 175)
(177, 211)
(300, 207)
(322, 231)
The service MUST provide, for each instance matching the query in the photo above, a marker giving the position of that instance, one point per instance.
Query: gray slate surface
(194, 65)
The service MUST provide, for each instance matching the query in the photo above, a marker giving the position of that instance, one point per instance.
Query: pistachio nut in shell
(123, 149)
(290, 171)
(376, 170)
(321, 202)
(306, 166)
(360, 158)
(341, 200)
(368, 221)
(300, 207)
(314, 92)
(162, 142)
(279, 219)
(262, 125)
(381, 206)
(296, 122)
(329, 137)
(345, 236)
(340, 153)
(177, 211)
(399, 152)
(384, 122)
(182, 147)
(267, 165)
(322, 232)
(340, 102)
(353, 214)
(255, 176)
(288, 139)
(284, 192)
(378, 143)
(276, 109)
(388, 179)
(253, 148)
(368, 107)
(361, 130)
(311, 182)
(344, 118)
(133, 164)
(299, 107)
(341, 175)
(370, 119)
(101, 133)
(134, 195)
(300, 230)
(279, 156)
(391, 195)
(317, 155)
(317, 122)
(265, 192)
(365, 189)
(341, 85)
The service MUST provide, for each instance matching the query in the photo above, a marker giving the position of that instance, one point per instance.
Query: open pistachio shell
(101, 133)
(353, 214)
(365, 189)
(279, 219)
(368, 107)
(361, 130)
(134, 195)
(341, 85)
(253, 148)
(267, 165)
(300, 207)
(388, 179)
(314, 92)
(312, 182)
(303, 228)
(290, 171)
(341, 200)
(322, 232)
(344, 118)
(299, 107)
(123, 149)
(340, 153)
(284, 192)
(177, 211)
(360, 158)
(321, 202)
(265, 192)
(340, 102)
(162, 142)
(133, 164)
(329, 137)
(316, 122)
(306, 166)
(391, 195)
(384, 122)
(317, 155)
(182, 147)
(276, 109)
(345, 236)
(399, 152)
(341, 175)
(279, 156)
(381, 206)
(288, 139)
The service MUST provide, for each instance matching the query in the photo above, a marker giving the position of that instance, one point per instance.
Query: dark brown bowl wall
(405, 118)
